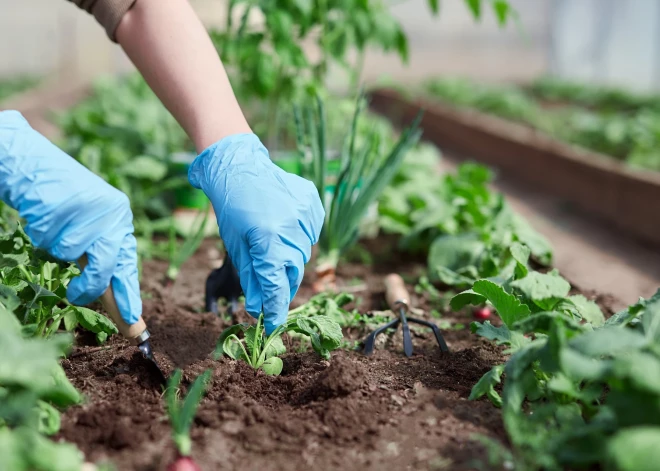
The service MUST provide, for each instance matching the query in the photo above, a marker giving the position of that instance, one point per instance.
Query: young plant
(178, 255)
(33, 287)
(33, 387)
(364, 172)
(182, 413)
(262, 352)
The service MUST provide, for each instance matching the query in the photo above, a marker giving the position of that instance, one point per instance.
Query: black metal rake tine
(438, 336)
(370, 341)
(407, 340)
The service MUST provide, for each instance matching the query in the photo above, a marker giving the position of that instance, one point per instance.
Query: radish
(481, 313)
(184, 463)
(182, 412)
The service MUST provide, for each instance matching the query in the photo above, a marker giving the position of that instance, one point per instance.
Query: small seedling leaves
(608, 341)
(325, 334)
(273, 366)
(144, 167)
(252, 341)
(507, 305)
(520, 254)
(502, 10)
(11, 260)
(275, 347)
(40, 294)
(9, 301)
(466, 298)
(586, 309)
(544, 289)
(651, 320)
(486, 386)
(454, 252)
(49, 418)
(233, 330)
(234, 349)
(543, 322)
(475, 8)
(500, 335)
(640, 369)
(70, 320)
(634, 449)
(95, 322)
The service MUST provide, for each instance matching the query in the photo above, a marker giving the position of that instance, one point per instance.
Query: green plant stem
(329, 257)
(183, 443)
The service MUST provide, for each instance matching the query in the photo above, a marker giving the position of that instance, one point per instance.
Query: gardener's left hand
(269, 219)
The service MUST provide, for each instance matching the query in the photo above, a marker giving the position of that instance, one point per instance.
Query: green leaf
(502, 10)
(325, 333)
(520, 254)
(49, 418)
(500, 335)
(95, 322)
(651, 320)
(465, 298)
(9, 301)
(434, 5)
(634, 449)
(475, 8)
(486, 386)
(508, 306)
(233, 330)
(588, 310)
(234, 349)
(545, 290)
(608, 341)
(543, 322)
(40, 294)
(273, 366)
(275, 347)
(70, 319)
(144, 167)
(454, 252)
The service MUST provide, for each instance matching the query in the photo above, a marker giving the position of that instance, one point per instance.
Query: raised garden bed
(353, 413)
(592, 182)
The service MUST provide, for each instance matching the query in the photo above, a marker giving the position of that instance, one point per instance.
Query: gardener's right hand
(70, 212)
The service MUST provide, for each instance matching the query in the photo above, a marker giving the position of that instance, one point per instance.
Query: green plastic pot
(187, 196)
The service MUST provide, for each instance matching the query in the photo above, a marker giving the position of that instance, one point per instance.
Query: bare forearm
(170, 47)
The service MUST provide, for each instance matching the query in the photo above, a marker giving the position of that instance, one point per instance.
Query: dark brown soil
(352, 413)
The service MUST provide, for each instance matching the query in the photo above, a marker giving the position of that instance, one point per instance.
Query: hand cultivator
(398, 300)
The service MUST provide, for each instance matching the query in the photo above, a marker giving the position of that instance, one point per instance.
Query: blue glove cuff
(227, 152)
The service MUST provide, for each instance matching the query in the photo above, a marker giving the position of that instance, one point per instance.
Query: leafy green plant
(576, 389)
(33, 287)
(32, 385)
(262, 352)
(270, 65)
(363, 174)
(614, 122)
(182, 413)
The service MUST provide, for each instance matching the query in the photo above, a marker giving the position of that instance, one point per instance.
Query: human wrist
(229, 152)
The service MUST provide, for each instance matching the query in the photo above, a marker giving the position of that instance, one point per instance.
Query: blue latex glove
(268, 218)
(70, 211)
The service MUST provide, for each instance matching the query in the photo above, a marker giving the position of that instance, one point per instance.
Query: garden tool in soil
(223, 282)
(137, 334)
(398, 300)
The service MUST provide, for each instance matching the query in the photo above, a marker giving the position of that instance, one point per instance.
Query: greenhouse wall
(611, 41)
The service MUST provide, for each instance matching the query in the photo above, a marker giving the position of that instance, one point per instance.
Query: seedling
(364, 173)
(181, 413)
(262, 352)
(180, 254)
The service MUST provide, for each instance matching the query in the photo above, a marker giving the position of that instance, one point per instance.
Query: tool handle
(396, 293)
(131, 331)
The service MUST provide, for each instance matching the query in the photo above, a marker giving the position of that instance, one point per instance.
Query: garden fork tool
(137, 334)
(398, 300)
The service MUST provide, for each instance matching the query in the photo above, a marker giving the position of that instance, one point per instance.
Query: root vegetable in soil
(352, 412)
